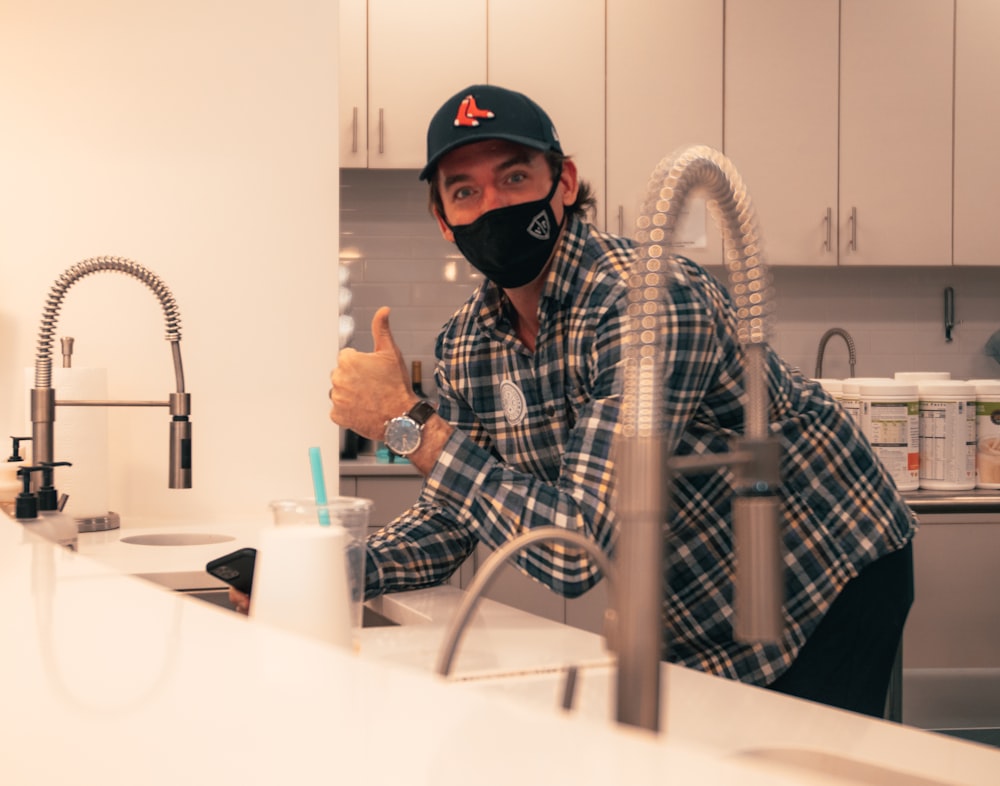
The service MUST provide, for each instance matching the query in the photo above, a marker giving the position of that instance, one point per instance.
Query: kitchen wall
(198, 138)
(397, 257)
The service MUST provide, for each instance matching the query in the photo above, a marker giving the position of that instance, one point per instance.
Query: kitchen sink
(220, 597)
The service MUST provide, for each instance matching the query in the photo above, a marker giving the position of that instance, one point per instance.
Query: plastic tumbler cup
(310, 571)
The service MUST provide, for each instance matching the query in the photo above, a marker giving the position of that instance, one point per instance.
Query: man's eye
(461, 193)
(517, 177)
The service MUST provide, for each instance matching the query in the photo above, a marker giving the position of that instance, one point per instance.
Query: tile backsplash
(396, 256)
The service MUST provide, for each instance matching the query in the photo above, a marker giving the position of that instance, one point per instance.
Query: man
(528, 371)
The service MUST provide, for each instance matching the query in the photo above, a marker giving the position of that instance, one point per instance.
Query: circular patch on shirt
(514, 405)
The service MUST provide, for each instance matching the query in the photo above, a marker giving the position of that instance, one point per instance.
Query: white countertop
(109, 679)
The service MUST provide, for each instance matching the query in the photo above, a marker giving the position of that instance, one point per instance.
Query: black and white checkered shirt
(533, 444)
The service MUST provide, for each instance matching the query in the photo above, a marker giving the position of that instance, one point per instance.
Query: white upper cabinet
(977, 129)
(883, 142)
(664, 92)
(418, 54)
(353, 83)
(553, 51)
(896, 77)
(781, 121)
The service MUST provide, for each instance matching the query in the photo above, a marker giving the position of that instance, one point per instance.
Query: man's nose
(492, 199)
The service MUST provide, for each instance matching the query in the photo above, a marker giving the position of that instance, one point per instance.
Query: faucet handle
(48, 497)
(15, 451)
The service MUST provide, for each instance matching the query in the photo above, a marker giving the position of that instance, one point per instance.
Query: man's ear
(446, 233)
(570, 182)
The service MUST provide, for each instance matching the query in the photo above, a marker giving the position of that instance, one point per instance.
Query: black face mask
(510, 245)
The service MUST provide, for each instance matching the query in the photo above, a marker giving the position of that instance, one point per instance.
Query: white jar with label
(947, 435)
(987, 433)
(849, 394)
(890, 419)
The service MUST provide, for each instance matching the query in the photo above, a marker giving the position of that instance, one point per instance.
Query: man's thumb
(381, 333)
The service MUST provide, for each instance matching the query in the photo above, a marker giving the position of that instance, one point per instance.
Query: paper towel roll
(80, 436)
(300, 582)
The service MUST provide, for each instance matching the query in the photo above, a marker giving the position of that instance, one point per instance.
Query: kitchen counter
(110, 679)
(367, 466)
(922, 501)
(972, 501)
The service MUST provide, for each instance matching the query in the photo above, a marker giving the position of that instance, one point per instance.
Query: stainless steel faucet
(487, 572)
(851, 354)
(43, 396)
(644, 467)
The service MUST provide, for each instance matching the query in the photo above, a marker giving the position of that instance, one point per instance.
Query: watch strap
(420, 412)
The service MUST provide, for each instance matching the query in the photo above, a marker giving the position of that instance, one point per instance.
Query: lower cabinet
(951, 643)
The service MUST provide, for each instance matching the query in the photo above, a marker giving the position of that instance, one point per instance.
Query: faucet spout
(485, 575)
(43, 398)
(852, 355)
(644, 470)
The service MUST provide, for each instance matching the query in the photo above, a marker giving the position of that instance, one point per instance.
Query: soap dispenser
(10, 483)
(26, 504)
(41, 514)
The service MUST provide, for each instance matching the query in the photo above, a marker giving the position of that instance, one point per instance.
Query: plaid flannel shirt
(533, 442)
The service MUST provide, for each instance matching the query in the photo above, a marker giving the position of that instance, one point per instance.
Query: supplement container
(947, 435)
(849, 394)
(890, 418)
(987, 433)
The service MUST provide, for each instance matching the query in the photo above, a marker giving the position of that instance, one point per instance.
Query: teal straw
(319, 484)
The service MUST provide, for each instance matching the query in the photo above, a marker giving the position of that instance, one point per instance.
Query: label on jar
(893, 429)
(947, 444)
(988, 445)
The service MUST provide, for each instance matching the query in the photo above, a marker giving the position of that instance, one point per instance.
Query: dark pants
(847, 662)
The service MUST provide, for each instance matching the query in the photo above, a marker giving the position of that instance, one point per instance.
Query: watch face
(402, 435)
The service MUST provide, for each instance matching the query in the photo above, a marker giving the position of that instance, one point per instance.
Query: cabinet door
(977, 128)
(353, 84)
(553, 52)
(419, 54)
(896, 132)
(664, 83)
(781, 113)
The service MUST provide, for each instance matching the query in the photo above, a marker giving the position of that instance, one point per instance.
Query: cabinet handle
(828, 245)
(354, 132)
(381, 130)
(621, 220)
(852, 244)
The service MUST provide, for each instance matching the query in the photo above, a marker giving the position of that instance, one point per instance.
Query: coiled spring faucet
(644, 468)
(851, 354)
(43, 396)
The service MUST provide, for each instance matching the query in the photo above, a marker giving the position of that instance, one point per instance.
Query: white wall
(198, 138)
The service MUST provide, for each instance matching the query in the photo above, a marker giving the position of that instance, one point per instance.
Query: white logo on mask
(539, 226)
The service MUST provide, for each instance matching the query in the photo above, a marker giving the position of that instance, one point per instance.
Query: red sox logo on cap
(469, 114)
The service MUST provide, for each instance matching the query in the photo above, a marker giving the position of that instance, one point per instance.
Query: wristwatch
(402, 434)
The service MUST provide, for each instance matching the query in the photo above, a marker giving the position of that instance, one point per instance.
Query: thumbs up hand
(370, 388)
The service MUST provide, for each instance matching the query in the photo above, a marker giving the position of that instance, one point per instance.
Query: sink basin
(370, 618)
(176, 539)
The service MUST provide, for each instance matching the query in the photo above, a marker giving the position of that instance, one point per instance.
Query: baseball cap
(487, 112)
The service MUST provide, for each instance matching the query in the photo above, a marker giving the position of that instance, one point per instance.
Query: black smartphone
(235, 569)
